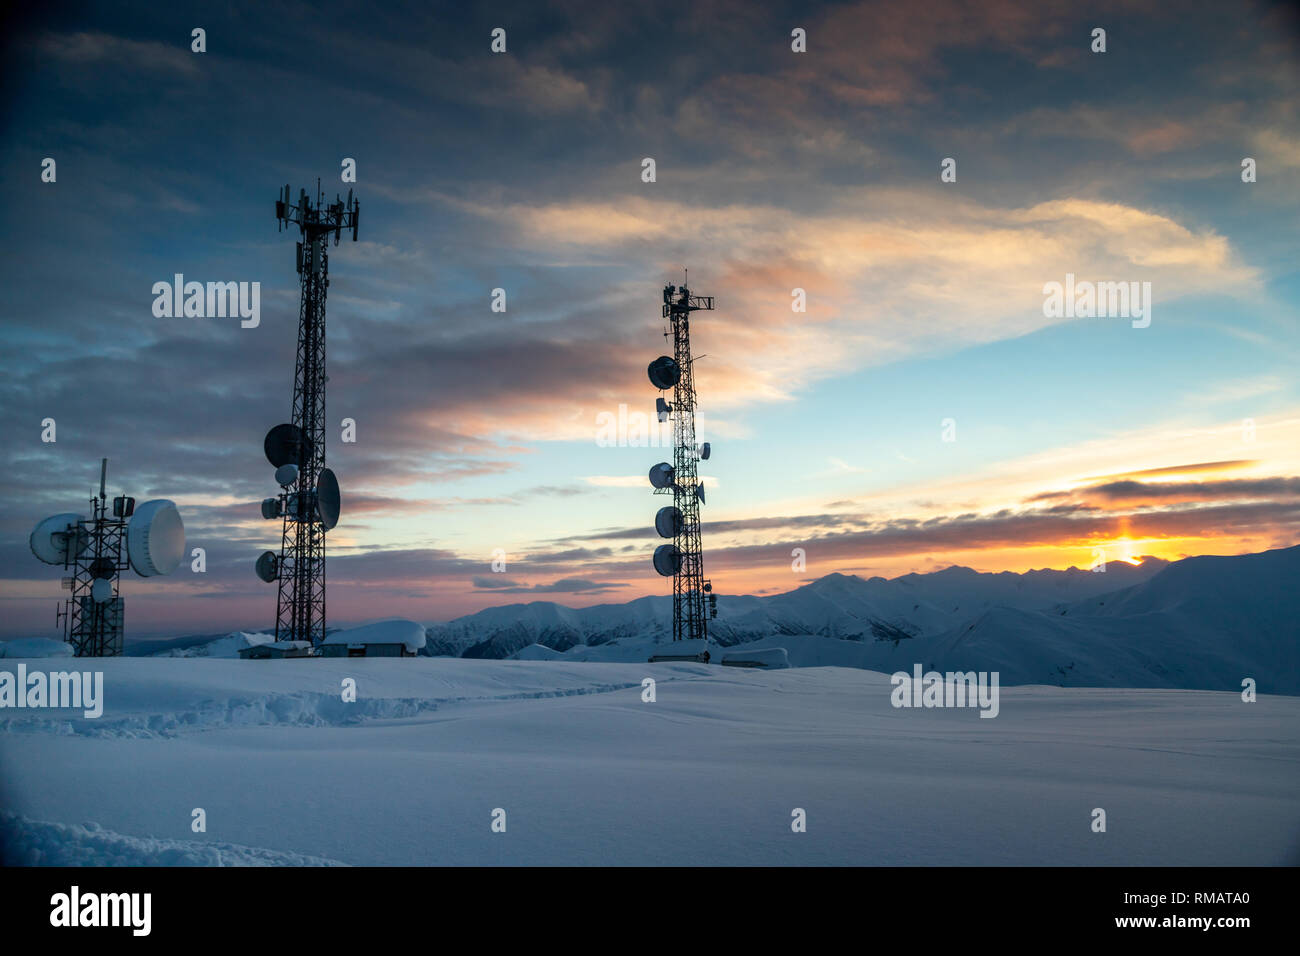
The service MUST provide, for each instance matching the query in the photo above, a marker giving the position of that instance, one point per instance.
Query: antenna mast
(94, 627)
(684, 558)
(96, 550)
(307, 488)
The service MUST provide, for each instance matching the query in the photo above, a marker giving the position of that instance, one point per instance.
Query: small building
(771, 658)
(668, 652)
(275, 650)
(391, 638)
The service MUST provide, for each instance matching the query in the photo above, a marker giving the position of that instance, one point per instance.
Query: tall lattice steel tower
(308, 503)
(683, 560)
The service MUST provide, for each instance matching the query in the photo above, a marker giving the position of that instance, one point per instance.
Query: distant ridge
(841, 606)
(1205, 623)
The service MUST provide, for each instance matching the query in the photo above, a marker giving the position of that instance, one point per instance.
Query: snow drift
(590, 772)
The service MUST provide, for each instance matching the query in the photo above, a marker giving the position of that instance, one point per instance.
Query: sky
(926, 409)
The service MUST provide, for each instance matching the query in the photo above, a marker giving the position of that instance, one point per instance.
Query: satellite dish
(60, 537)
(668, 522)
(103, 569)
(667, 560)
(664, 372)
(328, 502)
(155, 538)
(102, 590)
(286, 475)
(286, 445)
(270, 508)
(705, 451)
(268, 566)
(661, 475)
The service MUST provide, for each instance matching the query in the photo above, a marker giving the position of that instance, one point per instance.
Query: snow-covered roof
(392, 631)
(257, 649)
(772, 658)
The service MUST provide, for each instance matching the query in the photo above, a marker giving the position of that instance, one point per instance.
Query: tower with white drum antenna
(95, 550)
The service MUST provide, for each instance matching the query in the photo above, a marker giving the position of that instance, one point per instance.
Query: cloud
(1134, 493)
(1202, 467)
(494, 583)
(121, 53)
(1054, 528)
(549, 491)
(561, 586)
(787, 522)
(962, 272)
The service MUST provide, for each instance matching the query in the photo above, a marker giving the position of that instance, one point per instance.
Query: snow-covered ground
(587, 772)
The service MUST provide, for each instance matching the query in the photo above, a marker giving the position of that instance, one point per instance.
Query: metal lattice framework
(300, 604)
(95, 629)
(690, 617)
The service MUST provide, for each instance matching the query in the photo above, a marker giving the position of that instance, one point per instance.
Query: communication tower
(694, 602)
(308, 503)
(95, 550)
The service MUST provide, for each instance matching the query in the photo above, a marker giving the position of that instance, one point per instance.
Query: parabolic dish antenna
(103, 569)
(664, 372)
(286, 475)
(270, 508)
(102, 590)
(267, 568)
(668, 522)
(286, 445)
(60, 537)
(328, 502)
(661, 475)
(667, 560)
(155, 538)
(705, 451)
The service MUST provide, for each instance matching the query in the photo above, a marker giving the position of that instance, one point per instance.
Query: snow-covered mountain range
(840, 606)
(1205, 622)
